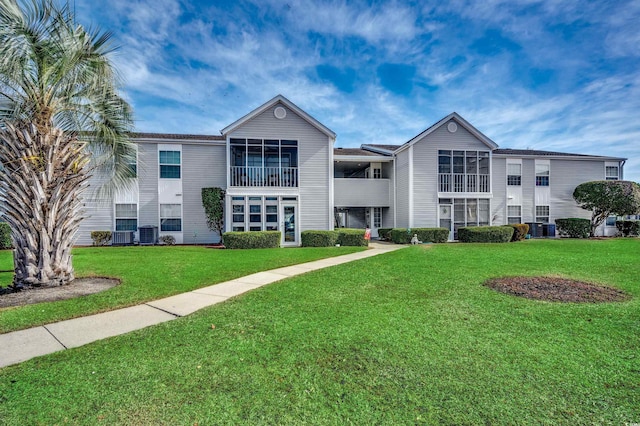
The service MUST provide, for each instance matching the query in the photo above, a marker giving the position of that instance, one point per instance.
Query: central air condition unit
(122, 238)
(148, 234)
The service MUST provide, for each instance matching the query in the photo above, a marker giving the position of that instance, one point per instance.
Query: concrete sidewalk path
(19, 346)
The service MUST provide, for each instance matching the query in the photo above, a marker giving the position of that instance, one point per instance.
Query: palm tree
(61, 121)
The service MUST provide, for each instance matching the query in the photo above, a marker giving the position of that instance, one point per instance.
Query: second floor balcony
(246, 176)
(461, 182)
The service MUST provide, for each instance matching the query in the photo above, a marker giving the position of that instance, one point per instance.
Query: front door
(444, 213)
(289, 225)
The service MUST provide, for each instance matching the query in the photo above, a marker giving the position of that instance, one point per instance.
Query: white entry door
(444, 213)
(289, 224)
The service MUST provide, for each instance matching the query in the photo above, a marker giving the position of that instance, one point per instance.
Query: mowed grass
(409, 337)
(149, 273)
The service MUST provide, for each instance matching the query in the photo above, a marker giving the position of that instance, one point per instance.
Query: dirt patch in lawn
(78, 287)
(554, 289)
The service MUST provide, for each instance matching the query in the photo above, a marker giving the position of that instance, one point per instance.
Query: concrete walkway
(22, 345)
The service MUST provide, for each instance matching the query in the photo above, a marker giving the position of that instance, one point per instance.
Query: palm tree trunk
(42, 180)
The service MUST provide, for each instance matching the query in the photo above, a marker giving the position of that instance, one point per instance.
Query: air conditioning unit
(148, 234)
(122, 238)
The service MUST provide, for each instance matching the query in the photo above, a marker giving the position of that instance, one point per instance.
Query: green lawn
(149, 273)
(410, 337)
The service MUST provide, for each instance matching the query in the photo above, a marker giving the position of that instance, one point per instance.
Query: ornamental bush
(383, 233)
(319, 238)
(168, 240)
(352, 237)
(250, 240)
(520, 231)
(5, 236)
(485, 234)
(628, 228)
(427, 235)
(100, 238)
(573, 227)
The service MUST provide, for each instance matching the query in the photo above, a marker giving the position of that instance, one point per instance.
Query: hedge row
(100, 238)
(383, 233)
(249, 240)
(5, 235)
(520, 231)
(426, 235)
(485, 234)
(573, 227)
(342, 236)
(628, 228)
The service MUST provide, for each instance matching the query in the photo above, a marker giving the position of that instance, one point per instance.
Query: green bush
(400, 236)
(383, 233)
(485, 234)
(520, 231)
(427, 235)
(628, 228)
(352, 237)
(5, 235)
(100, 238)
(573, 227)
(319, 238)
(249, 240)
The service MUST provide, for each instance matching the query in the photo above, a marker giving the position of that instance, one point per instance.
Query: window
(377, 217)
(514, 174)
(254, 213)
(514, 214)
(542, 174)
(611, 221)
(126, 217)
(612, 173)
(272, 214)
(170, 164)
(377, 173)
(263, 162)
(542, 214)
(463, 171)
(171, 217)
(238, 213)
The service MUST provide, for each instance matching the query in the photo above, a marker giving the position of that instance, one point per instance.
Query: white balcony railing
(264, 176)
(460, 182)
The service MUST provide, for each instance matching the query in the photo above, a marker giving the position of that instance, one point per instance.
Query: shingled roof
(354, 151)
(523, 152)
(177, 136)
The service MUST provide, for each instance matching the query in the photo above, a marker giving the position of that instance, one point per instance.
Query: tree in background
(61, 121)
(213, 203)
(608, 198)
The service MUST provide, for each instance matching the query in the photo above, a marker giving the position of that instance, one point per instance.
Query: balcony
(361, 192)
(281, 177)
(461, 182)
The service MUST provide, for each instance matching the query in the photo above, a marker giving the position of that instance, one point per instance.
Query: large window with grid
(612, 173)
(542, 214)
(126, 217)
(514, 174)
(514, 214)
(169, 164)
(463, 171)
(542, 174)
(171, 217)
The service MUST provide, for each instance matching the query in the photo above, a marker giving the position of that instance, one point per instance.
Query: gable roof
(461, 121)
(538, 153)
(286, 102)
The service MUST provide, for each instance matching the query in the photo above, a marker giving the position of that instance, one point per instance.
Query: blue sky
(554, 75)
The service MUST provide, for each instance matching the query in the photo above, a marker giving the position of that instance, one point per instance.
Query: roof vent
(452, 127)
(280, 113)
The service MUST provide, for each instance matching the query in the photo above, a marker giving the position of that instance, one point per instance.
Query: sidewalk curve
(22, 345)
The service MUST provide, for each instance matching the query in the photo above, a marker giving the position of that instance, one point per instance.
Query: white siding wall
(98, 212)
(402, 189)
(528, 190)
(203, 167)
(148, 213)
(314, 161)
(565, 176)
(499, 189)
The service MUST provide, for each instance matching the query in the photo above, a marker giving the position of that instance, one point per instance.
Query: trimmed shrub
(5, 235)
(431, 235)
(573, 227)
(249, 240)
(168, 240)
(400, 236)
(319, 238)
(628, 228)
(352, 237)
(100, 238)
(520, 231)
(485, 234)
(383, 233)
(427, 235)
